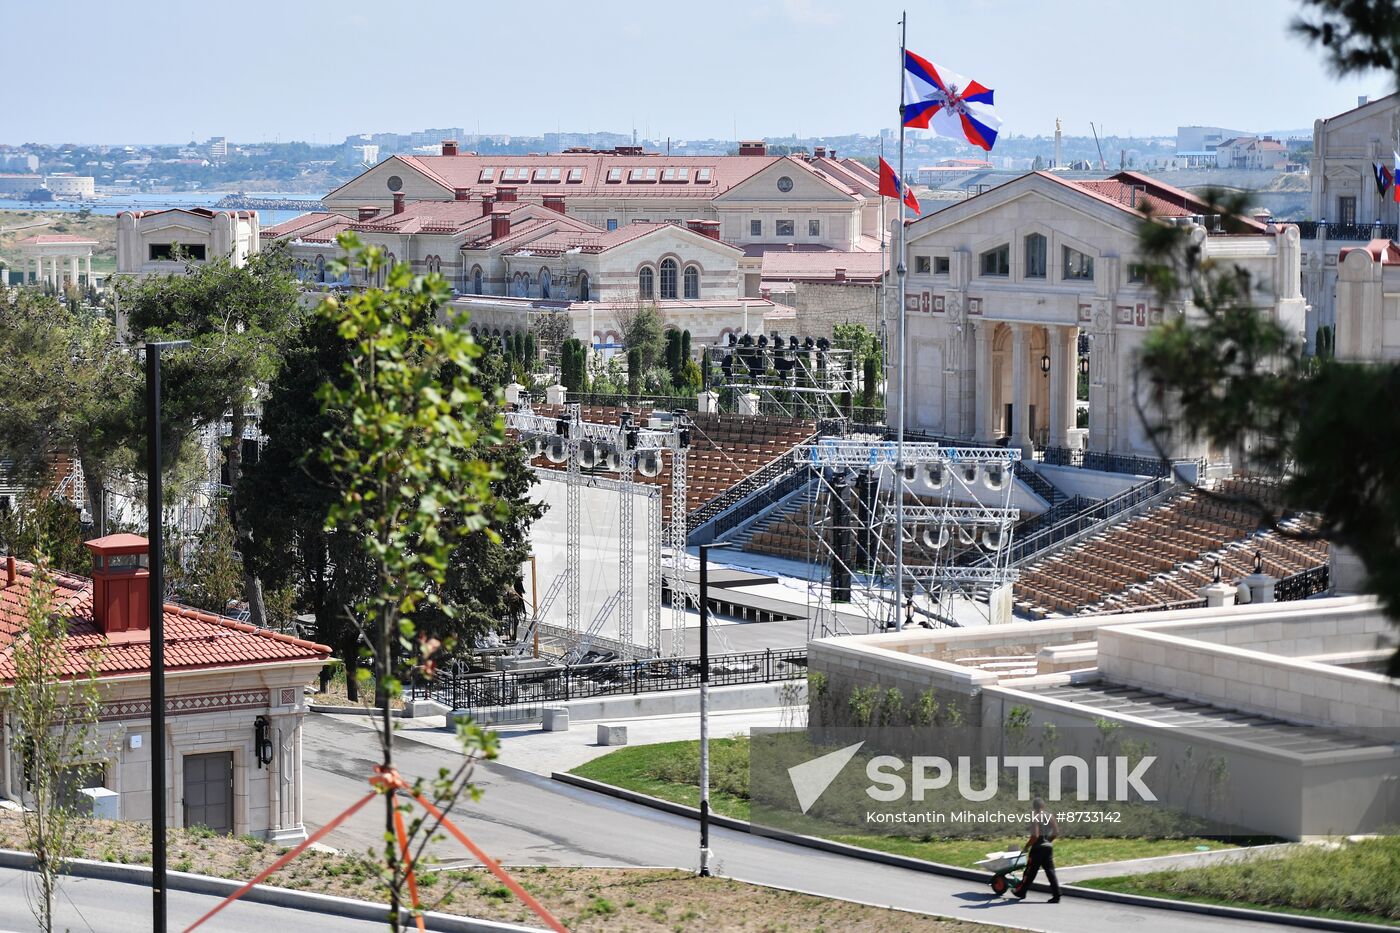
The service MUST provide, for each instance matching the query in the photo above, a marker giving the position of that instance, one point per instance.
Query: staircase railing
(1144, 494)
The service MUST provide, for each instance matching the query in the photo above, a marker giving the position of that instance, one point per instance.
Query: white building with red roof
(234, 698)
(1002, 285)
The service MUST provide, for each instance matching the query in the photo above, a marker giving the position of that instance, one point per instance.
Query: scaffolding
(954, 505)
(795, 379)
(587, 449)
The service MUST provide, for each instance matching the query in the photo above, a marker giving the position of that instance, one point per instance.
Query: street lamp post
(156, 602)
(705, 707)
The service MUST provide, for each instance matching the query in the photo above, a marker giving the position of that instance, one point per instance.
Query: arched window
(692, 282)
(320, 268)
(668, 279)
(646, 279)
(544, 283)
(583, 287)
(476, 280)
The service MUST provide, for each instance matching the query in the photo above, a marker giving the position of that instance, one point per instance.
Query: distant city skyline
(257, 71)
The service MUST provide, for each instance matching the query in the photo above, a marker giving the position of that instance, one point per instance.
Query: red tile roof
(601, 241)
(194, 640)
(783, 266)
(43, 238)
(465, 171)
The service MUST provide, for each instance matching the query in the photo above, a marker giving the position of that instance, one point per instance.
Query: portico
(1001, 287)
(57, 259)
(1025, 377)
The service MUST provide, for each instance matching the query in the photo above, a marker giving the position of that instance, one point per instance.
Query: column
(1064, 379)
(73, 267)
(87, 268)
(38, 270)
(1020, 388)
(982, 393)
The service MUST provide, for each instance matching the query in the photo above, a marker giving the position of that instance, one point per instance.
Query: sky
(139, 71)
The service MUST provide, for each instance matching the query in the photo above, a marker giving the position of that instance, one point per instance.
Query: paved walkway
(1142, 866)
(529, 748)
(525, 819)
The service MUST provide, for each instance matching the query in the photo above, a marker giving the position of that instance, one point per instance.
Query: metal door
(209, 791)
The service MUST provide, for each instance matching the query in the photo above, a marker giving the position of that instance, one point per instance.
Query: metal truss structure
(950, 509)
(586, 448)
(807, 379)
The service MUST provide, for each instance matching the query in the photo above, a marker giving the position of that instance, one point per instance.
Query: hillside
(16, 225)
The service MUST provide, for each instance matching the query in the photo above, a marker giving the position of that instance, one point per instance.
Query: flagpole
(900, 271)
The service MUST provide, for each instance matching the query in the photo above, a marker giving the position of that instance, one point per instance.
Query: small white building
(1001, 286)
(234, 699)
(165, 242)
(59, 259)
(1368, 303)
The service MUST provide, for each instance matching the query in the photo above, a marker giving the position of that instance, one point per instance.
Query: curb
(969, 874)
(325, 904)
(352, 710)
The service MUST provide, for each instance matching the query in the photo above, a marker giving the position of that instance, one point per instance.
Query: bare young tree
(55, 721)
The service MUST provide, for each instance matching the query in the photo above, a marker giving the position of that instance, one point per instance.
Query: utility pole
(156, 603)
(705, 707)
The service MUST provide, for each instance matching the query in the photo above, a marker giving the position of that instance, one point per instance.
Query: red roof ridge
(200, 615)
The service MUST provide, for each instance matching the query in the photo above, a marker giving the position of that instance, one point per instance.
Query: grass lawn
(670, 770)
(585, 899)
(1354, 881)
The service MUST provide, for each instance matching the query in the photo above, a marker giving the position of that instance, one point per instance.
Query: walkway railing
(1319, 229)
(520, 695)
(1106, 462)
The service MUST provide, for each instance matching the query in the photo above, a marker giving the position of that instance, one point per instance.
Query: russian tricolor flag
(947, 103)
(892, 187)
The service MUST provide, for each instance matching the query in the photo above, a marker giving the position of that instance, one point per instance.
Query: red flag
(892, 187)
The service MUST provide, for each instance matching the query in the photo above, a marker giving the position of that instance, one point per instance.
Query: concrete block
(611, 735)
(416, 709)
(555, 719)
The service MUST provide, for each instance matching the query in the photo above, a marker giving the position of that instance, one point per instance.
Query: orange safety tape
(494, 867)
(408, 869)
(284, 859)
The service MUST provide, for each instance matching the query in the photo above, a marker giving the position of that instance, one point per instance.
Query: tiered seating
(1167, 546)
(1283, 556)
(724, 450)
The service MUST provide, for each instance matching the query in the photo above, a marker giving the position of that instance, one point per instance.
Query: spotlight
(937, 475)
(612, 461)
(534, 445)
(589, 453)
(649, 463)
(557, 451)
(911, 473)
(995, 477)
(969, 472)
(993, 539)
(934, 537)
(966, 536)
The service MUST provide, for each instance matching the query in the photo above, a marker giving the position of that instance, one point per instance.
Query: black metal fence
(1316, 229)
(1106, 462)
(520, 695)
(1302, 585)
(794, 480)
(779, 472)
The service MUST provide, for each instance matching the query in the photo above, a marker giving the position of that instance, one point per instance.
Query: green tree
(67, 386)
(41, 525)
(1231, 374)
(294, 548)
(240, 320)
(634, 371)
(870, 388)
(551, 329)
(209, 573)
(409, 489)
(54, 720)
(641, 328)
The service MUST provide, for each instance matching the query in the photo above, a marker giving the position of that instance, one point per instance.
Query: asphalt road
(525, 819)
(91, 906)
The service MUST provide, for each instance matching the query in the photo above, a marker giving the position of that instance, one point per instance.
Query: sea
(115, 203)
